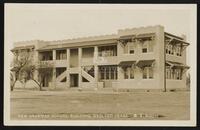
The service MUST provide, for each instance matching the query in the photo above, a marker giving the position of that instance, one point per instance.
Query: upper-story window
(106, 51)
(178, 50)
(61, 54)
(173, 49)
(130, 48)
(147, 46)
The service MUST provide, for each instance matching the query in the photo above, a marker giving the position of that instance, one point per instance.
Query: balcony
(174, 58)
(60, 63)
(111, 60)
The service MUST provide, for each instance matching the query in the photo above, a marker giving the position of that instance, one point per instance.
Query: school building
(136, 58)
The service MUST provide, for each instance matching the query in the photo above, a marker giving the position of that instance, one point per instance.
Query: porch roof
(176, 40)
(145, 63)
(127, 63)
(176, 65)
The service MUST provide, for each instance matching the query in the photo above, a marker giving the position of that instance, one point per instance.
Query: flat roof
(88, 41)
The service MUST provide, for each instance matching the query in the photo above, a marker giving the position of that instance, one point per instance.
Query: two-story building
(137, 58)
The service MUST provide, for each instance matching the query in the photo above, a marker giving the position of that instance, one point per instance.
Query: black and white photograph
(100, 64)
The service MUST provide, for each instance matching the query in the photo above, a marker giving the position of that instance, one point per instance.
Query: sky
(57, 22)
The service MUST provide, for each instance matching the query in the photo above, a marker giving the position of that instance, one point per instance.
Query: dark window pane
(144, 50)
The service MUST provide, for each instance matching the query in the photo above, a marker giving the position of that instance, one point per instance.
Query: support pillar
(54, 54)
(96, 65)
(79, 66)
(53, 85)
(68, 67)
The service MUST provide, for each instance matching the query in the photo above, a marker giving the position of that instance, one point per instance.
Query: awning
(176, 65)
(145, 63)
(177, 41)
(125, 39)
(23, 48)
(147, 36)
(126, 63)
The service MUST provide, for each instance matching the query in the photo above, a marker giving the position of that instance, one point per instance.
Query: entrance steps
(87, 76)
(61, 76)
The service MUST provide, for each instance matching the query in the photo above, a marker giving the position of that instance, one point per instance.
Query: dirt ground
(65, 105)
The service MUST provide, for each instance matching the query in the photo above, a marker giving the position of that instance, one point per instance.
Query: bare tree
(23, 68)
(44, 69)
(21, 59)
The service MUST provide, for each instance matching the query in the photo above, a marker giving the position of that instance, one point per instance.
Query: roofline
(174, 36)
(80, 44)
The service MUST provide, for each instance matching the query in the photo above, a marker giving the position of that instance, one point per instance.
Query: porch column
(53, 85)
(79, 66)
(96, 65)
(54, 71)
(54, 54)
(68, 66)
(36, 59)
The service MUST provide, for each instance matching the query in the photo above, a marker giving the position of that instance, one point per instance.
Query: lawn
(73, 105)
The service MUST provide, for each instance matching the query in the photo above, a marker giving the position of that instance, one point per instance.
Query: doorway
(73, 80)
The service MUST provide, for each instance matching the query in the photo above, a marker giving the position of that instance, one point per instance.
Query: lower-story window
(129, 72)
(108, 72)
(148, 73)
(174, 73)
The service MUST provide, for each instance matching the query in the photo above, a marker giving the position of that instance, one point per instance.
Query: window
(178, 50)
(144, 50)
(108, 72)
(170, 48)
(106, 51)
(151, 73)
(173, 73)
(126, 73)
(132, 47)
(168, 73)
(148, 73)
(131, 51)
(132, 73)
(144, 47)
(178, 74)
(145, 73)
(147, 46)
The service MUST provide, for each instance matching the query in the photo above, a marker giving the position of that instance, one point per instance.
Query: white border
(191, 122)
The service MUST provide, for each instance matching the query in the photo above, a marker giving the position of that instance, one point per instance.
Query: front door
(73, 80)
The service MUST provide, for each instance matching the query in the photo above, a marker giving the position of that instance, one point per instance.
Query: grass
(64, 105)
